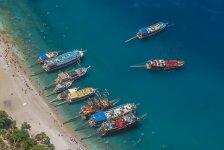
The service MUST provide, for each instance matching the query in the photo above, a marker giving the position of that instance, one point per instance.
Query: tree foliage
(26, 126)
(5, 121)
(12, 138)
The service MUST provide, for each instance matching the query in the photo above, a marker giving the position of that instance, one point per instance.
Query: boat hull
(167, 64)
(151, 30)
(116, 130)
(74, 76)
(61, 66)
(81, 99)
(148, 35)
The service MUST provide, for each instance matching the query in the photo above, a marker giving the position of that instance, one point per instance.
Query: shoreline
(23, 100)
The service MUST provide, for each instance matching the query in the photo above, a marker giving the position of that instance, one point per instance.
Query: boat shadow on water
(159, 72)
(119, 133)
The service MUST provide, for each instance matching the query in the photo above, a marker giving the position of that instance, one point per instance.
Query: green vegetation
(26, 126)
(13, 138)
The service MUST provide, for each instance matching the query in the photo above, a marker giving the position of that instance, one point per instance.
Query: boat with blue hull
(149, 31)
(63, 60)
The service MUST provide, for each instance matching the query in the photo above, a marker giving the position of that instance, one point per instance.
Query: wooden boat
(159, 64)
(149, 31)
(113, 126)
(116, 125)
(80, 95)
(102, 116)
(64, 94)
(47, 56)
(96, 105)
(73, 74)
(63, 60)
(62, 86)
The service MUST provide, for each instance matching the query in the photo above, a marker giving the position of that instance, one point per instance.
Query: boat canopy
(43, 56)
(99, 116)
(144, 31)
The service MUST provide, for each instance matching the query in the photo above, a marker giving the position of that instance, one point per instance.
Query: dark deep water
(185, 107)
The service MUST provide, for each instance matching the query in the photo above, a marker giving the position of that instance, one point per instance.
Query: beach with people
(23, 101)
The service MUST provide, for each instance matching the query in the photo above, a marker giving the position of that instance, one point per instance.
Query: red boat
(159, 64)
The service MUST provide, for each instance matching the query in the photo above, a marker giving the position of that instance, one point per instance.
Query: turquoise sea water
(185, 107)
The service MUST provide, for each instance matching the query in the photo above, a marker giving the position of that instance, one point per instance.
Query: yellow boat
(80, 95)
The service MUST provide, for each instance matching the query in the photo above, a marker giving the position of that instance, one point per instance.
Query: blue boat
(151, 30)
(63, 60)
(46, 56)
(102, 116)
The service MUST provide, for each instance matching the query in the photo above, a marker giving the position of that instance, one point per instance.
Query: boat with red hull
(160, 64)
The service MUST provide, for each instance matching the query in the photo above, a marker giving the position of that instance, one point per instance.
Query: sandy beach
(21, 99)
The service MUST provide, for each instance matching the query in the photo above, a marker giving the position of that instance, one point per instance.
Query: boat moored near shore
(80, 95)
(62, 86)
(73, 74)
(47, 56)
(102, 116)
(63, 60)
(113, 126)
(64, 94)
(96, 105)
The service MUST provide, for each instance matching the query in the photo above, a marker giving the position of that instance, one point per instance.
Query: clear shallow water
(185, 107)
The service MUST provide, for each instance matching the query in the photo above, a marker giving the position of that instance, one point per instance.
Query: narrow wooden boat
(149, 31)
(80, 95)
(47, 56)
(159, 64)
(73, 74)
(102, 116)
(63, 60)
(117, 125)
(62, 86)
